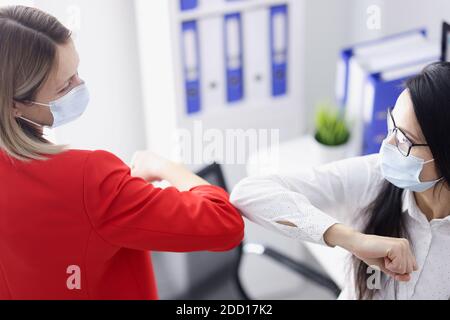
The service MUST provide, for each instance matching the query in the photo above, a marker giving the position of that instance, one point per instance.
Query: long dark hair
(430, 95)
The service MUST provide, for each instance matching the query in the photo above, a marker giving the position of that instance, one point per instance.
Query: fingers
(403, 277)
(387, 271)
(380, 263)
(133, 159)
(400, 261)
(415, 266)
(412, 263)
(135, 165)
(398, 277)
(394, 256)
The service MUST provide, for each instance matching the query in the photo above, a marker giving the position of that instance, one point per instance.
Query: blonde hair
(28, 53)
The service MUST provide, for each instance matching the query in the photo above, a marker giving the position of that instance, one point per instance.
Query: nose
(78, 81)
(391, 138)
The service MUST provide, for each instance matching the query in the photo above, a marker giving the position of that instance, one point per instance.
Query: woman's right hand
(149, 166)
(393, 256)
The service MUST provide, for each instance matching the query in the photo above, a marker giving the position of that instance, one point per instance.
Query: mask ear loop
(40, 104)
(429, 161)
(32, 122)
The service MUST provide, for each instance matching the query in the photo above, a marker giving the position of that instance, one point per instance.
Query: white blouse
(316, 199)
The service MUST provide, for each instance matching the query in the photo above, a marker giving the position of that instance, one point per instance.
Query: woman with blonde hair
(78, 224)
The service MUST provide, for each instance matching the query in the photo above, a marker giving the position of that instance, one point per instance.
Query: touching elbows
(229, 225)
(244, 195)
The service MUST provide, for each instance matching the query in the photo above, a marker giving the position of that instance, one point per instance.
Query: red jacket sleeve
(129, 212)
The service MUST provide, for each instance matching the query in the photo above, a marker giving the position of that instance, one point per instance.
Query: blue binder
(188, 4)
(348, 53)
(191, 62)
(234, 58)
(279, 39)
(385, 95)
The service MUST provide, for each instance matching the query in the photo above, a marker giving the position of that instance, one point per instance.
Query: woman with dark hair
(390, 210)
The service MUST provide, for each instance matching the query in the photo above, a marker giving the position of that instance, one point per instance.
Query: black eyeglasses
(403, 143)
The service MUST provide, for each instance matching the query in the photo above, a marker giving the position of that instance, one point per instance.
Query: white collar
(409, 205)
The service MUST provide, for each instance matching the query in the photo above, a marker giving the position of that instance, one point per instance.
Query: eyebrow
(410, 135)
(63, 85)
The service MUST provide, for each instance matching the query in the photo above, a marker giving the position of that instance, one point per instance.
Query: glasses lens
(403, 144)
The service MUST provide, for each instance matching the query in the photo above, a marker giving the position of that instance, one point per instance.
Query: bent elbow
(232, 240)
(229, 227)
(245, 193)
(241, 192)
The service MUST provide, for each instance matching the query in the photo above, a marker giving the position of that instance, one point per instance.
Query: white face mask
(67, 108)
(403, 172)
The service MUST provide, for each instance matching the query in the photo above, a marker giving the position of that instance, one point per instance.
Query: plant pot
(326, 154)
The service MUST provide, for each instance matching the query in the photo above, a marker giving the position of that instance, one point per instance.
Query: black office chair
(225, 282)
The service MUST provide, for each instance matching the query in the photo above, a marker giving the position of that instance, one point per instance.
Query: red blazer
(78, 226)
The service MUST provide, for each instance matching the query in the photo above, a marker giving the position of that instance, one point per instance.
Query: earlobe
(16, 111)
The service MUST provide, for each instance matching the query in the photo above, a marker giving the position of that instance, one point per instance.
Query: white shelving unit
(163, 73)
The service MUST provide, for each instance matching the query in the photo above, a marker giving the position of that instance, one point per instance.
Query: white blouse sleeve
(304, 206)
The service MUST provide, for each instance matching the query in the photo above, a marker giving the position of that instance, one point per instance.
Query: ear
(17, 108)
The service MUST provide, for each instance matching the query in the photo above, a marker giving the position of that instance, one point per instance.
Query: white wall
(157, 73)
(400, 15)
(327, 31)
(408, 14)
(16, 2)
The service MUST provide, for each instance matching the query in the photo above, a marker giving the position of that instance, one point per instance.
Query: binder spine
(279, 39)
(234, 57)
(191, 66)
(188, 4)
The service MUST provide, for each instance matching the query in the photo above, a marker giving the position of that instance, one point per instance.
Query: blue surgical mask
(403, 172)
(67, 108)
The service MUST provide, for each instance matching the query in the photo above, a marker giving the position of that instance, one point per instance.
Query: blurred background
(297, 82)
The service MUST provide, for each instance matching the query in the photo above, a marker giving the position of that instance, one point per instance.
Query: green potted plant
(332, 132)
